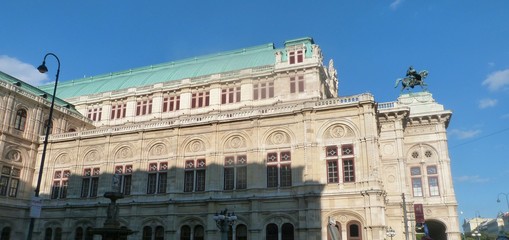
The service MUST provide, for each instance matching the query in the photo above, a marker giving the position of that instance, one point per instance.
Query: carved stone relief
(339, 131)
(278, 137)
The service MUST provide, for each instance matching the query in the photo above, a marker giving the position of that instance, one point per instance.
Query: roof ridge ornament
(413, 79)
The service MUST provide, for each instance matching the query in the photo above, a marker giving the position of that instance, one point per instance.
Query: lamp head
(43, 68)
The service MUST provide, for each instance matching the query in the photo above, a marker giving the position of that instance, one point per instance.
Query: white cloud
(487, 102)
(22, 71)
(396, 3)
(472, 179)
(464, 134)
(497, 80)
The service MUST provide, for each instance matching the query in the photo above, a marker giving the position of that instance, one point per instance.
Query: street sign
(35, 207)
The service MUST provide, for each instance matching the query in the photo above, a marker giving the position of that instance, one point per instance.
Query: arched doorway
(436, 229)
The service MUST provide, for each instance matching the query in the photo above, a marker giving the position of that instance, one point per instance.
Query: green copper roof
(4, 77)
(188, 68)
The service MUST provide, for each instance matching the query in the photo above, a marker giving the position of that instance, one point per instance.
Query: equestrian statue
(412, 79)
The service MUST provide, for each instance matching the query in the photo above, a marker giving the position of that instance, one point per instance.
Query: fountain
(111, 229)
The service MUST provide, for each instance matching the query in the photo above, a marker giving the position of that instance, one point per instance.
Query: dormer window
(296, 56)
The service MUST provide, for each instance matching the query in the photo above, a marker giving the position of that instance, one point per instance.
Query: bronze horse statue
(412, 79)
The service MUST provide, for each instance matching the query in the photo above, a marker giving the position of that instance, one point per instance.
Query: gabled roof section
(4, 77)
(188, 68)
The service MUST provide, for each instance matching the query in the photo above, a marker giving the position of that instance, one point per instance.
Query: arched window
(185, 233)
(287, 232)
(199, 232)
(354, 231)
(46, 126)
(21, 119)
(6, 233)
(271, 232)
(58, 234)
(88, 234)
(48, 234)
(241, 232)
(78, 234)
(159, 234)
(71, 130)
(147, 233)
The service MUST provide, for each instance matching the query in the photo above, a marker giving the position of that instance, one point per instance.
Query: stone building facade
(260, 131)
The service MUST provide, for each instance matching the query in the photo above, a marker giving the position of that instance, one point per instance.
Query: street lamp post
(223, 221)
(390, 233)
(43, 69)
(506, 199)
(476, 234)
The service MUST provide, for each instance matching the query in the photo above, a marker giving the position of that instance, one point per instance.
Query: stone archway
(436, 229)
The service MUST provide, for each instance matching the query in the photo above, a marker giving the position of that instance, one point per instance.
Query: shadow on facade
(270, 202)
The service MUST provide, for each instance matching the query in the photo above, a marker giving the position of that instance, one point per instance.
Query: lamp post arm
(506, 199)
(50, 124)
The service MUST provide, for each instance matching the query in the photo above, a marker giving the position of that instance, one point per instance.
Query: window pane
(159, 233)
(286, 175)
(271, 232)
(147, 233)
(332, 171)
(199, 232)
(161, 188)
(200, 180)
(94, 186)
(185, 233)
(78, 235)
(348, 171)
(272, 176)
(85, 185)
(242, 177)
(287, 232)
(151, 183)
(228, 178)
(433, 186)
(188, 181)
(354, 230)
(417, 187)
(4, 181)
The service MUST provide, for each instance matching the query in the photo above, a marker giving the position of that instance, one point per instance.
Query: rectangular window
(9, 181)
(230, 95)
(272, 176)
(144, 106)
(171, 103)
(118, 110)
(286, 175)
(229, 178)
(157, 177)
(60, 184)
(188, 181)
(125, 173)
(432, 173)
(200, 99)
(334, 156)
(296, 84)
(279, 171)
(194, 175)
(95, 114)
(348, 170)
(433, 186)
(417, 187)
(90, 182)
(235, 172)
(296, 56)
(332, 171)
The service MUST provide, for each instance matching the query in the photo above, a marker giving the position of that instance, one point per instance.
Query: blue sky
(463, 44)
